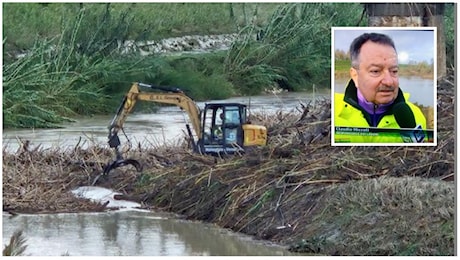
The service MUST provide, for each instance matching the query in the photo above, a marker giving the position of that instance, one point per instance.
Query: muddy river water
(130, 231)
(167, 125)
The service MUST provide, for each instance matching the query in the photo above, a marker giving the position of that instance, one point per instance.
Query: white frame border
(435, 67)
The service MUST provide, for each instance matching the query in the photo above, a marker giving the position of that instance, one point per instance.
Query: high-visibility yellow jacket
(347, 114)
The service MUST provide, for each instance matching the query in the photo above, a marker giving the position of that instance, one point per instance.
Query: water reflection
(128, 233)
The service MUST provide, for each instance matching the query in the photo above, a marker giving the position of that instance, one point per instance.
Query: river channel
(166, 126)
(130, 231)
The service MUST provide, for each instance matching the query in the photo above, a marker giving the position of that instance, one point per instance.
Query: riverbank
(297, 191)
(422, 70)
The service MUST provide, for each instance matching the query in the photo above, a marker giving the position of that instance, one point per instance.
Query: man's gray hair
(358, 42)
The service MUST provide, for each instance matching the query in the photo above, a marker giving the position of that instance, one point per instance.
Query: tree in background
(412, 14)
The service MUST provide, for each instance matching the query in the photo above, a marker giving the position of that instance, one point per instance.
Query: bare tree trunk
(438, 22)
(232, 14)
(415, 15)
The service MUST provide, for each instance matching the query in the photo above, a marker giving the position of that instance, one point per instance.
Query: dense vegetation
(73, 65)
(297, 191)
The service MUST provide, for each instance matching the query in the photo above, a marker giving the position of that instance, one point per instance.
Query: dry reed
(273, 192)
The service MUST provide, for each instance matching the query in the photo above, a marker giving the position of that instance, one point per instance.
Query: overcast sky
(411, 44)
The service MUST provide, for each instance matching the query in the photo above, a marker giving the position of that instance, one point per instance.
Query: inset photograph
(383, 86)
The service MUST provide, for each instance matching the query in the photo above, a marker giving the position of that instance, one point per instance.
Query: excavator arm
(171, 96)
(164, 95)
(237, 132)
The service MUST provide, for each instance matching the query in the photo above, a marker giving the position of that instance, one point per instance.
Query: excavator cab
(220, 128)
(226, 130)
(222, 125)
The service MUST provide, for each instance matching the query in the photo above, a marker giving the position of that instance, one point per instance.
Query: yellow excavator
(218, 129)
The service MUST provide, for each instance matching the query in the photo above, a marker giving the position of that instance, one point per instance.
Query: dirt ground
(298, 191)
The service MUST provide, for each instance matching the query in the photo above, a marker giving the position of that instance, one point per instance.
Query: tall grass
(200, 76)
(56, 80)
(17, 245)
(136, 21)
(72, 66)
(450, 15)
(292, 50)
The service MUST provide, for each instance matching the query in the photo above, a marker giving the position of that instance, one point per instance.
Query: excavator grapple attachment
(116, 164)
(121, 163)
(221, 128)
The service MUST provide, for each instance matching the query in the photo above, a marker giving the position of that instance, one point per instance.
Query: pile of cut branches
(283, 192)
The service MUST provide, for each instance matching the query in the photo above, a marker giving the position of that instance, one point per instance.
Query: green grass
(141, 21)
(342, 68)
(422, 69)
(74, 68)
(342, 65)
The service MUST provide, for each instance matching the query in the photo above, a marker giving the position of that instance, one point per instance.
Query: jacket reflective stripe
(345, 115)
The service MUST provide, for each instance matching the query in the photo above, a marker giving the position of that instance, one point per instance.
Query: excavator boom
(228, 118)
(174, 96)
